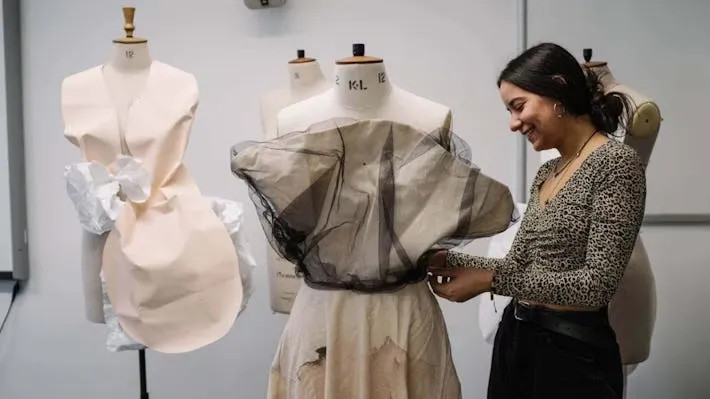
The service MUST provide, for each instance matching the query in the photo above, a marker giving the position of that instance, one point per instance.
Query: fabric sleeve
(516, 254)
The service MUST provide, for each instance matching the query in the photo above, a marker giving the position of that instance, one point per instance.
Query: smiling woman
(540, 87)
(574, 242)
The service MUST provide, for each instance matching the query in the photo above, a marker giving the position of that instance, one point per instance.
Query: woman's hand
(459, 284)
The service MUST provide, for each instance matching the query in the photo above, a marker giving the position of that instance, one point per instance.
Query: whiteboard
(660, 49)
(13, 243)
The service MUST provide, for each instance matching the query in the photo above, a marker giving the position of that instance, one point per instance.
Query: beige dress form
(305, 80)
(345, 344)
(632, 312)
(171, 269)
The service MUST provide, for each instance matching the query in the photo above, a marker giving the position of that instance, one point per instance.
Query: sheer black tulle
(355, 204)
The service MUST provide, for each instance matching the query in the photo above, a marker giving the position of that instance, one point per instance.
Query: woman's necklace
(579, 152)
(556, 173)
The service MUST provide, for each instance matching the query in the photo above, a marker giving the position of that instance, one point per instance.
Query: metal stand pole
(141, 363)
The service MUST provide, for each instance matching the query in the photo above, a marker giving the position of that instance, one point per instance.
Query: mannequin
(305, 80)
(131, 119)
(646, 119)
(125, 72)
(333, 335)
(632, 311)
(362, 90)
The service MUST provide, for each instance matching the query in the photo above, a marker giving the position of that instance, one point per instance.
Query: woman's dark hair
(551, 71)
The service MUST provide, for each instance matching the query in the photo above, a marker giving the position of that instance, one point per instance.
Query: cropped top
(573, 251)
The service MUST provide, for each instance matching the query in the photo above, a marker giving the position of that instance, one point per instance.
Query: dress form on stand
(345, 331)
(305, 80)
(171, 262)
(126, 74)
(632, 312)
(170, 269)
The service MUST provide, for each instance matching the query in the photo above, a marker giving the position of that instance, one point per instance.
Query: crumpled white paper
(96, 193)
(231, 213)
(116, 339)
(491, 312)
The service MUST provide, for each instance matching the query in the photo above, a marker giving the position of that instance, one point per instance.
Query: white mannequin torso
(632, 312)
(364, 91)
(305, 80)
(125, 75)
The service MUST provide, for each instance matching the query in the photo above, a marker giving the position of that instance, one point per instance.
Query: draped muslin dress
(354, 205)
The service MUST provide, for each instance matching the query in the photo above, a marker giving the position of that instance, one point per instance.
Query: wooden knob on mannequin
(129, 14)
(359, 56)
(301, 58)
(587, 54)
(358, 50)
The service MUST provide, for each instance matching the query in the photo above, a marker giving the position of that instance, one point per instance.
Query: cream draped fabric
(170, 267)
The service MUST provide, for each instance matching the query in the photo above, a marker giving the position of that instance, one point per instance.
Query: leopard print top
(574, 250)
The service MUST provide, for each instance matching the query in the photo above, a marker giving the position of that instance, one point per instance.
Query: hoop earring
(559, 113)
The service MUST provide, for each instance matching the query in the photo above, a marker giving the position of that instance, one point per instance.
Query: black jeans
(534, 363)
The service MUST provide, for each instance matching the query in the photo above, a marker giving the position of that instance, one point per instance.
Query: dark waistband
(368, 286)
(591, 327)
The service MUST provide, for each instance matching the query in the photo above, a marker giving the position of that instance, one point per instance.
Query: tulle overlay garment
(353, 205)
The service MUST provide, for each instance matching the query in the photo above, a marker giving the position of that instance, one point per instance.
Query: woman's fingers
(457, 284)
(447, 274)
(444, 271)
(438, 288)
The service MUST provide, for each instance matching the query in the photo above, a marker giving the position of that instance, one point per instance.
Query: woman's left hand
(459, 284)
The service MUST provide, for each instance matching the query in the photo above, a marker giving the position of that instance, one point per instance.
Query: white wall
(449, 52)
(659, 48)
(680, 350)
